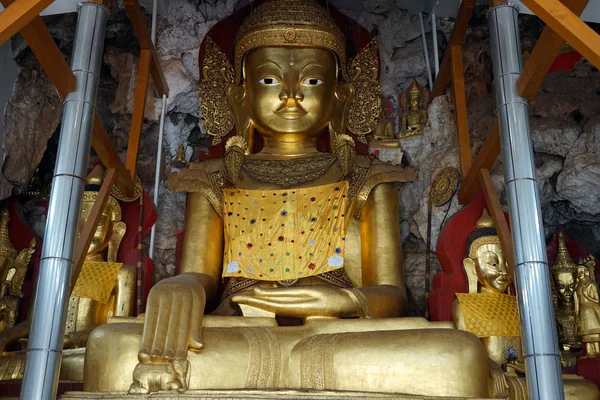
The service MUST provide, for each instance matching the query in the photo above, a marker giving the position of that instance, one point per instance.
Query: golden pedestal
(249, 394)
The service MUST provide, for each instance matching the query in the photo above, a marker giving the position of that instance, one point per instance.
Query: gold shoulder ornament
(217, 74)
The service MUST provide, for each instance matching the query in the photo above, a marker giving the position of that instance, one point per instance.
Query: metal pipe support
(532, 274)
(426, 51)
(436, 55)
(44, 351)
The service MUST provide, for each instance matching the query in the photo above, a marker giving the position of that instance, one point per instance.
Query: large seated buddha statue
(104, 288)
(491, 313)
(298, 249)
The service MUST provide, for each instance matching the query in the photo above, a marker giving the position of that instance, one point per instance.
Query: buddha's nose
(291, 95)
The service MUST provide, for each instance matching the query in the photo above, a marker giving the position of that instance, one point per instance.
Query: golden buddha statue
(564, 274)
(307, 245)
(104, 288)
(491, 313)
(587, 307)
(13, 267)
(414, 101)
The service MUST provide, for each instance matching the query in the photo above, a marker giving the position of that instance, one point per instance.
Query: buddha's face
(565, 285)
(491, 268)
(290, 90)
(103, 232)
(415, 102)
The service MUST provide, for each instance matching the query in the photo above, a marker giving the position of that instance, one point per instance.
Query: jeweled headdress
(93, 183)
(485, 233)
(563, 262)
(291, 23)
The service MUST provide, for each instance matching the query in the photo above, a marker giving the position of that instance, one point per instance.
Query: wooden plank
(497, 214)
(568, 25)
(485, 159)
(110, 158)
(18, 15)
(143, 36)
(91, 224)
(460, 109)
(139, 106)
(543, 55)
(465, 12)
(545, 51)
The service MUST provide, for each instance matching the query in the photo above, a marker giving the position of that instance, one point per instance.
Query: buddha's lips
(291, 112)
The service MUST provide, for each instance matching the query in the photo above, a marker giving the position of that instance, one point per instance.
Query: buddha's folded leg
(575, 387)
(434, 362)
(241, 357)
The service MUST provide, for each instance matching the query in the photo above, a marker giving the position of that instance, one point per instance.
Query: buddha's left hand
(301, 302)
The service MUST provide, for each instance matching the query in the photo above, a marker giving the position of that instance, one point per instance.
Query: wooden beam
(45, 49)
(465, 12)
(138, 21)
(19, 14)
(485, 159)
(497, 214)
(110, 158)
(460, 109)
(568, 25)
(48, 54)
(139, 106)
(543, 55)
(91, 224)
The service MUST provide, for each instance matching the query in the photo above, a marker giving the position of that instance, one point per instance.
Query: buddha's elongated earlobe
(342, 144)
(471, 272)
(344, 93)
(236, 95)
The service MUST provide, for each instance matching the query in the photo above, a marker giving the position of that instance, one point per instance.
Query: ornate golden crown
(95, 178)
(564, 262)
(293, 23)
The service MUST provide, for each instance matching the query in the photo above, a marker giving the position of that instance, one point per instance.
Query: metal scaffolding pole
(44, 352)
(532, 275)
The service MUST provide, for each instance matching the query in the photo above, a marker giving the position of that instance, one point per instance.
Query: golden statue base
(249, 394)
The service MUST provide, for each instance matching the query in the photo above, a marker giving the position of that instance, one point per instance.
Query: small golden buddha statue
(104, 288)
(414, 101)
(564, 280)
(488, 310)
(13, 267)
(293, 235)
(491, 313)
(384, 131)
(587, 307)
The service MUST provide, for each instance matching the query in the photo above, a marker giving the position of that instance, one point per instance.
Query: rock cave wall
(565, 120)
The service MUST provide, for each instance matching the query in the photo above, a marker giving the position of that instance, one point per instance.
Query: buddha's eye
(312, 82)
(269, 81)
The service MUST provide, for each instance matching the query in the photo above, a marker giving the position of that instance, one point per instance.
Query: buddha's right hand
(173, 322)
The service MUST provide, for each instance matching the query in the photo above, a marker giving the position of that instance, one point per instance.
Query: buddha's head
(414, 97)
(7, 250)
(289, 55)
(485, 264)
(109, 224)
(289, 81)
(564, 272)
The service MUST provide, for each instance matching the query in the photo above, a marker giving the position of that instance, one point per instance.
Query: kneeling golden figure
(104, 288)
(296, 233)
(491, 313)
